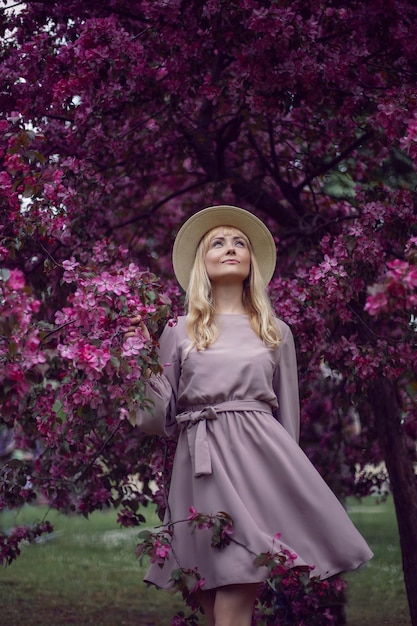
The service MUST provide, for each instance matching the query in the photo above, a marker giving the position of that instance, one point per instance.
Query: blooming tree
(119, 120)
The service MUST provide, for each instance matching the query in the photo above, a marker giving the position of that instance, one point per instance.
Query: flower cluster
(99, 372)
(157, 546)
(293, 595)
(10, 542)
(21, 355)
(290, 595)
(69, 385)
(397, 292)
(221, 526)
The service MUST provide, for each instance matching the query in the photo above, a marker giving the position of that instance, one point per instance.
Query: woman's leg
(233, 604)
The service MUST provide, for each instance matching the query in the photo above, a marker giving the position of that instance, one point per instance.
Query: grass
(376, 593)
(87, 574)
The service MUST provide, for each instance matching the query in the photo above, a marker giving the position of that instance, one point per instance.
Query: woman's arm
(286, 383)
(160, 389)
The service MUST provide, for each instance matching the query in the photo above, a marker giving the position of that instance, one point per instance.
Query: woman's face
(227, 258)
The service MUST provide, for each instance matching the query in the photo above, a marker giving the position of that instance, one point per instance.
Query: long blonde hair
(201, 324)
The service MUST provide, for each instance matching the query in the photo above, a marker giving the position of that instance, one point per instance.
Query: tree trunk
(392, 440)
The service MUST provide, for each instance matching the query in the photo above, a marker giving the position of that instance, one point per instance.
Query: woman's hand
(135, 323)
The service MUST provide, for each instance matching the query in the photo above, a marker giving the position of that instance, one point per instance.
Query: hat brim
(192, 231)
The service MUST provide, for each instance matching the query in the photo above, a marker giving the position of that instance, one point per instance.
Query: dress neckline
(232, 315)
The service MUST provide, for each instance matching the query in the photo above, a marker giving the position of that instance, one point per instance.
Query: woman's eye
(240, 243)
(216, 243)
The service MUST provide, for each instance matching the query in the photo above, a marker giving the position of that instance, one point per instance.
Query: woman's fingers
(135, 323)
(145, 331)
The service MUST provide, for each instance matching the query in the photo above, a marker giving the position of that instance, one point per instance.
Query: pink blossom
(86, 394)
(111, 282)
(198, 585)
(85, 355)
(14, 372)
(411, 302)
(5, 181)
(133, 345)
(409, 141)
(14, 116)
(91, 356)
(411, 244)
(70, 266)
(4, 253)
(193, 513)
(397, 268)
(377, 302)
(123, 414)
(411, 278)
(161, 552)
(16, 279)
(35, 306)
(227, 531)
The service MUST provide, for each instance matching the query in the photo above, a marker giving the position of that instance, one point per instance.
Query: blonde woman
(229, 384)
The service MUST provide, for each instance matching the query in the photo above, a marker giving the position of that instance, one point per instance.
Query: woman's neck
(228, 299)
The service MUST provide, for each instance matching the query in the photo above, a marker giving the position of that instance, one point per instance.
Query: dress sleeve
(286, 384)
(162, 389)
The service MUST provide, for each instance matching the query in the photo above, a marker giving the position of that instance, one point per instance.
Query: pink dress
(238, 409)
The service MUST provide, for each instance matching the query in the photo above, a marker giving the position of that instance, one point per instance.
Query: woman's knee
(234, 604)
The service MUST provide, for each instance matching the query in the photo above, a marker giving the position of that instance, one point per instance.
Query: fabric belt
(196, 419)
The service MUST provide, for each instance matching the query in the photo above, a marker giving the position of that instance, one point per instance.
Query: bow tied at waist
(196, 419)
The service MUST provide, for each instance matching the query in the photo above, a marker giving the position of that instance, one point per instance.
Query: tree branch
(330, 165)
(158, 205)
(259, 198)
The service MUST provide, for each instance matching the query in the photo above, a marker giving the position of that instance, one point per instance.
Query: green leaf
(115, 362)
(176, 575)
(58, 410)
(145, 535)
(262, 559)
(151, 295)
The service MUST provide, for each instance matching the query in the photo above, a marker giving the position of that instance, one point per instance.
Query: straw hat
(192, 231)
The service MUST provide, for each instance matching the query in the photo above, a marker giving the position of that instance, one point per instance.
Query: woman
(230, 382)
